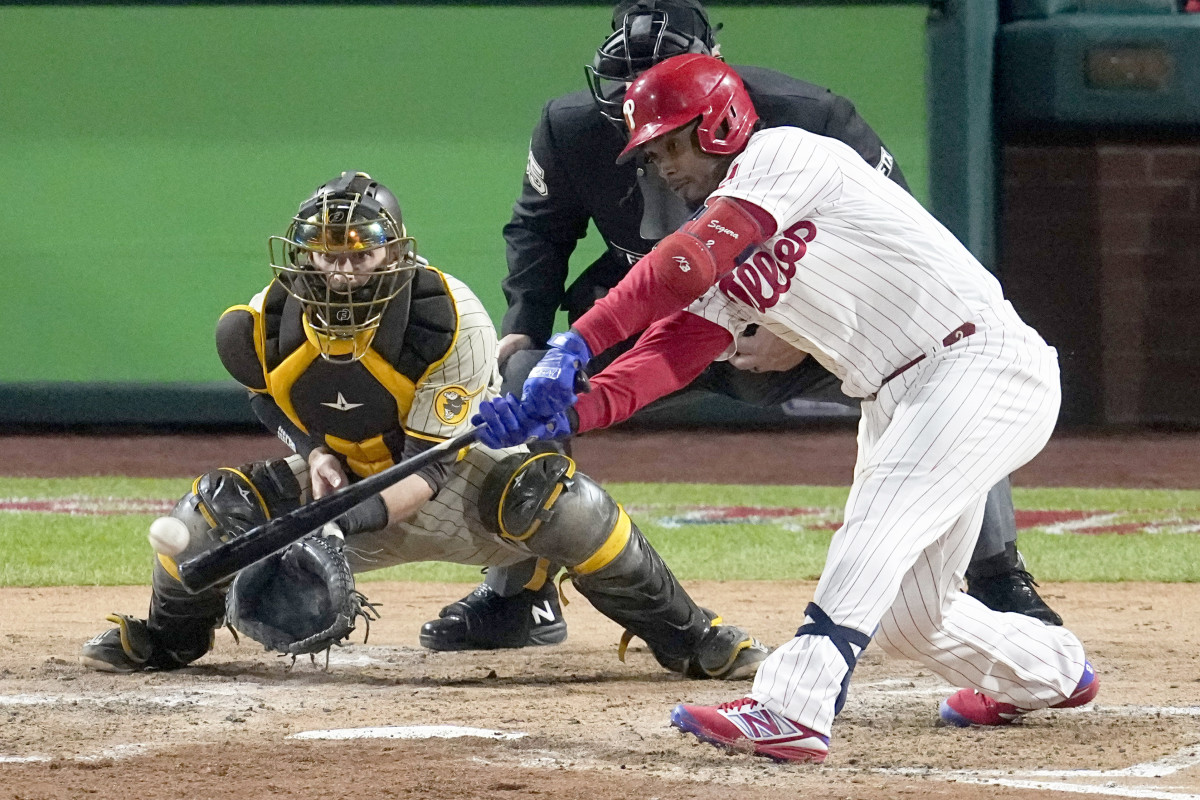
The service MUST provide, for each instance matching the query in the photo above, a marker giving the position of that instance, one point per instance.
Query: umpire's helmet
(690, 87)
(644, 33)
(345, 256)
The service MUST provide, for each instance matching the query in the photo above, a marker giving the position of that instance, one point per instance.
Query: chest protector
(356, 408)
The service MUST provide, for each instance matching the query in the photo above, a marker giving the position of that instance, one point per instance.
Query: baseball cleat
(124, 649)
(1013, 591)
(726, 653)
(969, 707)
(483, 620)
(747, 726)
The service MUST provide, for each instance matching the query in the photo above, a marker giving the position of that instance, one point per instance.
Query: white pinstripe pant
(931, 444)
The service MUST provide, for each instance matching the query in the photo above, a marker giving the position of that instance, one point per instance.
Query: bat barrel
(228, 558)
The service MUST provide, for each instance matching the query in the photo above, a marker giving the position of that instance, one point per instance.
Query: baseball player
(572, 178)
(359, 354)
(797, 234)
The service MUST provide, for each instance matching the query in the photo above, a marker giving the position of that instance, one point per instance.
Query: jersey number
(761, 280)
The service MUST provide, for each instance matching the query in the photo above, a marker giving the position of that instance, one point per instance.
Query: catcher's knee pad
(227, 502)
(558, 513)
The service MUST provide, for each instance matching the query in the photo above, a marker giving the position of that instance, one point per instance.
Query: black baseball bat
(228, 558)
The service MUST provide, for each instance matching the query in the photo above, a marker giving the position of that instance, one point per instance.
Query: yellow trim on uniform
(539, 575)
(170, 566)
(425, 437)
(280, 380)
(457, 321)
(545, 506)
(397, 385)
(338, 347)
(261, 502)
(364, 458)
(260, 337)
(212, 523)
(612, 546)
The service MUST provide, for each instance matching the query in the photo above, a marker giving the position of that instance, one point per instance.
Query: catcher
(359, 354)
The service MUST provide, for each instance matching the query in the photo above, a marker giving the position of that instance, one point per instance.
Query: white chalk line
(408, 732)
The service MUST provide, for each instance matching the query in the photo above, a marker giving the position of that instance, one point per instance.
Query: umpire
(571, 179)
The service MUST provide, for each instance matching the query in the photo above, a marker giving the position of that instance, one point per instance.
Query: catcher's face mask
(345, 257)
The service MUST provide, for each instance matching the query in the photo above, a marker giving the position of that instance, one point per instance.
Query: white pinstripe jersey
(858, 274)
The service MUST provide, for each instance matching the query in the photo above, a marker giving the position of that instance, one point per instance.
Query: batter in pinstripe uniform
(359, 354)
(798, 235)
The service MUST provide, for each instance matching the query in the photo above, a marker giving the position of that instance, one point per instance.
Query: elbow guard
(706, 248)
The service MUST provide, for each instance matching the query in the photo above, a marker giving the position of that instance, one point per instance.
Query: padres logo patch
(453, 403)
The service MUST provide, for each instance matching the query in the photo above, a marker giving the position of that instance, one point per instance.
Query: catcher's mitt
(301, 600)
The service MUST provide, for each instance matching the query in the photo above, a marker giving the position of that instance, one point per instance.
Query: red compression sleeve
(668, 356)
(680, 269)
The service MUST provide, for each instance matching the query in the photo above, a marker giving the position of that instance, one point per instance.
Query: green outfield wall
(146, 153)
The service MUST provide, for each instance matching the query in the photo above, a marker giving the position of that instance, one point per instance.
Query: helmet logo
(337, 216)
(343, 315)
(627, 110)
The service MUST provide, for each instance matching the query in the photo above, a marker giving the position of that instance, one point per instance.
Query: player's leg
(179, 627)
(929, 446)
(996, 575)
(1012, 659)
(542, 502)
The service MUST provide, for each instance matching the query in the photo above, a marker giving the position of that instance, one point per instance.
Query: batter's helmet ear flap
(672, 94)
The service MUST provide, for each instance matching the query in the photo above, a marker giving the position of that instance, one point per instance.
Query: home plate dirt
(388, 719)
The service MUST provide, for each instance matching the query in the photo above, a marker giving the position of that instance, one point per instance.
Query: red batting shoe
(969, 707)
(746, 725)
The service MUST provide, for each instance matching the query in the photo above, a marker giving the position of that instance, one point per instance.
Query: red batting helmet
(678, 90)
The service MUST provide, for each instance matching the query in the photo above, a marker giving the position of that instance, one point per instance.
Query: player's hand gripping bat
(228, 558)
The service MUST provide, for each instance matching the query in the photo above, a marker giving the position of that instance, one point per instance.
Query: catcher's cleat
(483, 620)
(969, 707)
(746, 725)
(726, 652)
(130, 647)
(1012, 591)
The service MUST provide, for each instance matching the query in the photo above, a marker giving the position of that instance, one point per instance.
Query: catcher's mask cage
(348, 222)
(643, 40)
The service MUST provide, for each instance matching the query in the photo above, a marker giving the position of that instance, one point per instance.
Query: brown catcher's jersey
(429, 364)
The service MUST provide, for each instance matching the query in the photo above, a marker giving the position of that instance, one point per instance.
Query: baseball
(168, 536)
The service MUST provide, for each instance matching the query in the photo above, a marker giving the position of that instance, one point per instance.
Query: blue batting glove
(550, 388)
(507, 423)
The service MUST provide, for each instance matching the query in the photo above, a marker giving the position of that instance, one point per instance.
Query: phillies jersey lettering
(882, 282)
(761, 279)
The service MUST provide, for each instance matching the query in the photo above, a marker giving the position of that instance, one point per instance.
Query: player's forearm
(669, 356)
(406, 498)
(679, 270)
(273, 419)
(534, 287)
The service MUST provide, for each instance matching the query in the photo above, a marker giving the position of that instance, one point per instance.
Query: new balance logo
(542, 613)
(762, 723)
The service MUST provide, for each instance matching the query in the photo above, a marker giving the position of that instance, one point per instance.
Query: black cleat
(1012, 591)
(483, 620)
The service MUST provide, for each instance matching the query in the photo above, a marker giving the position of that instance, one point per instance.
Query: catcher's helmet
(644, 33)
(344, 257)
(685, 88)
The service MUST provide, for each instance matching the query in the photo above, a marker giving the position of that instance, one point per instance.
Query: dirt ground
(585, 725)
